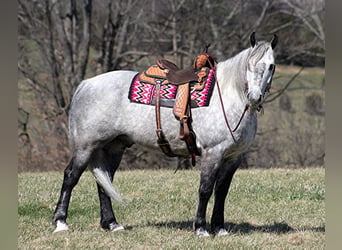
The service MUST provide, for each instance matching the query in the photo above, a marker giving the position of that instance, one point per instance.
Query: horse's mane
(231, 73)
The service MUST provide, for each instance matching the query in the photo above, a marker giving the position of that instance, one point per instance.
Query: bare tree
(61, 31)
(310, 13)
(54, 42)
(24, 139)
(112, 33)
(307, 20)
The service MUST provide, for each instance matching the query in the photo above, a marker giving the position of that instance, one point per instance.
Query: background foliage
(62, 42)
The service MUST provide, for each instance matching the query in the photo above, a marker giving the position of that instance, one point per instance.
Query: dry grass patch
(269, 209)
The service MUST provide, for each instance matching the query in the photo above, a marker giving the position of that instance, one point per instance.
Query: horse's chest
(244, 137)
(247, 133)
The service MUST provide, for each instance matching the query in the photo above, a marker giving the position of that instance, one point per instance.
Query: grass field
(266, 209)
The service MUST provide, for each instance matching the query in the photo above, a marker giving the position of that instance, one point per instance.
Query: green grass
(266, 209)
(309, 81)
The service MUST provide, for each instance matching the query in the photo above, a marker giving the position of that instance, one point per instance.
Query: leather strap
(162, 141)
(187, 135)
(184, 129)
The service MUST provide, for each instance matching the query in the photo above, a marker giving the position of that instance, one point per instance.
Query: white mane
(231, 73)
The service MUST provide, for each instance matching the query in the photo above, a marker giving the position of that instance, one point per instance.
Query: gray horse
(103, 123)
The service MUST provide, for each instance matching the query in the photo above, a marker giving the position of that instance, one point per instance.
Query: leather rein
(231, 131)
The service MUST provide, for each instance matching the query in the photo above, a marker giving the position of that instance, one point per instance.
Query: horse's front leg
(224, 178)
(209, 170)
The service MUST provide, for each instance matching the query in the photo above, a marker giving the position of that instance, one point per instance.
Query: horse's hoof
(201, 232)
(61, 226)
(114, 227)
(221, 232)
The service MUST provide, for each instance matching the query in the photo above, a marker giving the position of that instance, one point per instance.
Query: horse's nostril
(260, 98)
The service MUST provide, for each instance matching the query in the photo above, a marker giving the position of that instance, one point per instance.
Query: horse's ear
(274, 41)
(252, 39)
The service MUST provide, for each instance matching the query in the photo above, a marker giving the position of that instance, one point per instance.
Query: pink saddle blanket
(145, 93)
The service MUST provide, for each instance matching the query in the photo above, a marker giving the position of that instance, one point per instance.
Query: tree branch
(281, 91)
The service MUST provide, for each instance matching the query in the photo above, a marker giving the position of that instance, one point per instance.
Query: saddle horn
(274, 41)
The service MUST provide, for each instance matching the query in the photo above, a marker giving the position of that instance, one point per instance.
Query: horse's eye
(272, 66)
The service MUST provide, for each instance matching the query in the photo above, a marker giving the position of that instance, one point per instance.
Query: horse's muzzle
(255, 98)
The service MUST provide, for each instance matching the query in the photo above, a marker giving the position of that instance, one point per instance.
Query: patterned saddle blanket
(143, 90)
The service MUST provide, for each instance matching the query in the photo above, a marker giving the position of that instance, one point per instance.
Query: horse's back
(111, 84)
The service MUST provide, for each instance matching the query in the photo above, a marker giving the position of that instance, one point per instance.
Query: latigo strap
(162, 141)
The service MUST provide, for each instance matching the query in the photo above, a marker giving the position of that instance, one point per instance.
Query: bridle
(247, 106)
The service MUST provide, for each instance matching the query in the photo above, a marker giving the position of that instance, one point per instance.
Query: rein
(224, 112)
(225, 116)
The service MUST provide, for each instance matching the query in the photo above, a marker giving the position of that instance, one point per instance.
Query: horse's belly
(139, 123)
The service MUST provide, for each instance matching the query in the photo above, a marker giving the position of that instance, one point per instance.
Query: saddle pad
(144, 93)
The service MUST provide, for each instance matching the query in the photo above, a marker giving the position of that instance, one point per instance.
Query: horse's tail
(102, 178)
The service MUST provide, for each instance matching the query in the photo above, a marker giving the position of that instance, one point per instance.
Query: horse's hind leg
(72, 174)
(224, 178)
(107, 160)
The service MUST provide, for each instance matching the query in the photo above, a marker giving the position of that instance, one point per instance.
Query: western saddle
(187, 80)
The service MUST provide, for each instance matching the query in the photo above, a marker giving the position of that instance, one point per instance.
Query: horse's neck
(231, 76)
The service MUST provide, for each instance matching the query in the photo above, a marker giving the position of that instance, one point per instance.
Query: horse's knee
(73, 172)
(205, 191)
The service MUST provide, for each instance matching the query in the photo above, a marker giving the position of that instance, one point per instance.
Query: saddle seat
(176, 75)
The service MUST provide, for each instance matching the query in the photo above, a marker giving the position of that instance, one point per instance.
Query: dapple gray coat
(103, 122)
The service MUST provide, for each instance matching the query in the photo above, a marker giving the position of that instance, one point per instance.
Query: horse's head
(260, 69)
